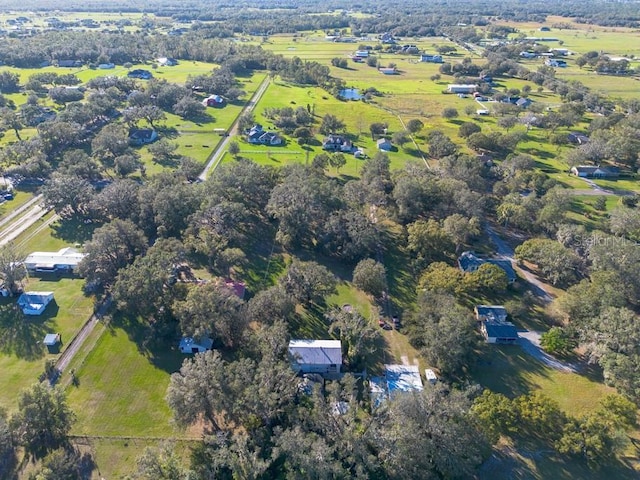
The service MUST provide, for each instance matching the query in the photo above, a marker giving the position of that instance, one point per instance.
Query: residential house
(259, 136)
(496, 313)
(528, 54)
(167, 62)
(316, 356)
(482, 111)
(499, 332)
(69, 63)
(461, 88)
(34, 303)
(191, 345)
(337, 143)
(388, 70)
(140, 74)
(362, 53)
(213, 101)
(553, 62)
(65, 260)
(523, 102)
(592, 171)
(142, 136)
(425, 57)
(470, 262)
(106, 66)
(384, 144)
(578, 138)
(560, 51)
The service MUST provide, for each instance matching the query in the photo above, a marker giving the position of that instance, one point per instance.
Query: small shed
(52, 341)
(384, 144)
(431, 376)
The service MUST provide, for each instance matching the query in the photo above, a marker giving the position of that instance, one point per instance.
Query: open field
(22, 355)
(121, 389)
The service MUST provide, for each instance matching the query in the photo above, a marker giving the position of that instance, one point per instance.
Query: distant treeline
(406, 15)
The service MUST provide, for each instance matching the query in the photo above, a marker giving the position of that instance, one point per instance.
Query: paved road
(14, 213)
(14, 229)
(218, 152)
(530, 343)
(506, 252)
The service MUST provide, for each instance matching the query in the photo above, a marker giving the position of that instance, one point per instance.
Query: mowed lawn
(22, 355)
(122, 390)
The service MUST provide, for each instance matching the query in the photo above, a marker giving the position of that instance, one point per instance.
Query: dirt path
(65, 359)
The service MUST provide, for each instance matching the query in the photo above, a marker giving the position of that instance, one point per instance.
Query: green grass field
(121, 389)
(22, 355)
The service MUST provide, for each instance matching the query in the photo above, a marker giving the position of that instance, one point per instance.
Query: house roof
(141, 134)
(35, 298)
(596, 170)
(491, 311)
(383, 141)
(470, 262)
(316, 352)
(186, 343)
(403, 378)
(65, 256)
(501, 330)
(51, 339)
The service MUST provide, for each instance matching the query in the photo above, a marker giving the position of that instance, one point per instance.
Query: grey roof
(316, 352)
(491, 311)
(470, 262)
(501, 330)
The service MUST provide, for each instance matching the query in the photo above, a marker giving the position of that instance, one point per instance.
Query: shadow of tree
(74, 230)
(20, 335)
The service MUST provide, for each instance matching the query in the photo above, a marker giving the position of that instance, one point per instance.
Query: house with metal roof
(65, 260)
(496, 313)
(316, 356)
(499, 332)
(34, 303)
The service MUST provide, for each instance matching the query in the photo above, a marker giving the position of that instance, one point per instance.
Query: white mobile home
(316, 356)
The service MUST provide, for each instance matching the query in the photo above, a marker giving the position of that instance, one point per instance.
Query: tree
(12, 269)
(162, 151)
(461, 229)
(43, 419)
(9, 82)
(496, 413)
(271, 305)
(112, 247)
(449, 113)
(507, 122)
(308, 282)
(111, 142)
(556, 263)
(488, 279)
(440, 145)
(212, 311)
(556, 341)
(370, 277)
(62, 464)
(400, 138)
(430, 434)
(377, 129)
(467, 129)
(357, 334)
(234, 149)
(189, 108)
(68, 194)
(331, 124)
(443, 331)
(440, 277)
(428, 241)
(7, 449)
(414, 125)
(117, 200)
(337, 160)
(9, 120)
(161, 463)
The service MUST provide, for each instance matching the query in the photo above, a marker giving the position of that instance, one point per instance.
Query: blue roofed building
(470, 262)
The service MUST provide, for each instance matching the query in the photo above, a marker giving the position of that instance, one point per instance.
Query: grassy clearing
(121, 388)
(22, 355)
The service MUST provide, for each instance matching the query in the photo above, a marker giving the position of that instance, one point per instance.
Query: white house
(316, 356)
(65, 260)
(190, 345)
(461, 88)
(34, 303)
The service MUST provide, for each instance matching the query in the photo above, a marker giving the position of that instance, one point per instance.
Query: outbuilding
(191, 345)
(52, 342)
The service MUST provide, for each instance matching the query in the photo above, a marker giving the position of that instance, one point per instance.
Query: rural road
(506, 252)
(14, 213)
(14, 229)
(529, 340)
(218, 152)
